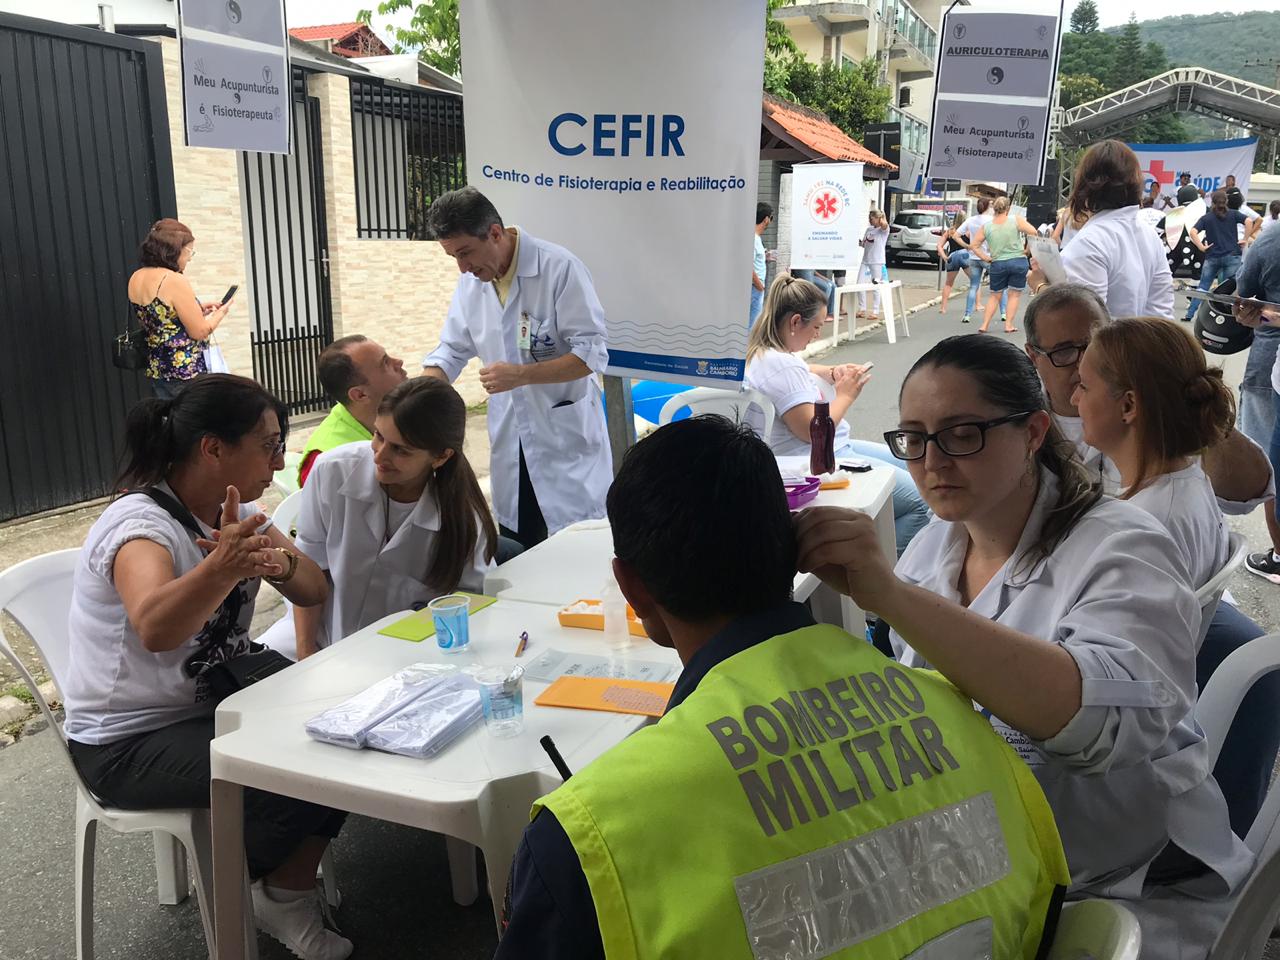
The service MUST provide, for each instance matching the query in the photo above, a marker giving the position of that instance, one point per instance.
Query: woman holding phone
(177, 325)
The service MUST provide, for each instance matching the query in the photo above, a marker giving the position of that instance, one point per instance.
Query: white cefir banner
(619, 132)
(235, 74)
(1209, 163)
(994, 91)
(828, 216)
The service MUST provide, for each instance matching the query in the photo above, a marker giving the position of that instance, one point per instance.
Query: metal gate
(288, 259)
(85, 169)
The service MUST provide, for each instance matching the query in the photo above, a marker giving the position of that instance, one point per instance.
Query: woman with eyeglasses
(793, 314)
(1067, 618)
(163, 595)
(396, 522)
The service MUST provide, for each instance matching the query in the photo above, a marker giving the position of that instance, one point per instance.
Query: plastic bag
(431, 722)
(347, 724)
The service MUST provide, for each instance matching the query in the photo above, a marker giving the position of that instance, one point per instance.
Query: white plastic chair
(37, 594)
(1096, 930)
(286, 514)
(701, 400)
(1254, 912)
(1210, 595)
(286, 480)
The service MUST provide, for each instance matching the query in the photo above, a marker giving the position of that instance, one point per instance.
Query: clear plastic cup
(450, 614)
(502, 699)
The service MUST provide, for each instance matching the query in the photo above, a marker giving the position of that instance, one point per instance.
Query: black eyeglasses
(1062, 356)
(958, 440)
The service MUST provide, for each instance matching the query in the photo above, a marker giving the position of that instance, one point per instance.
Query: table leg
(227, 822)
(902, 312)
(462, 871)
(886, 308)
(885, 531)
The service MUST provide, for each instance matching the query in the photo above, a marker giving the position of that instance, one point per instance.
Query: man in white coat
(528, 310)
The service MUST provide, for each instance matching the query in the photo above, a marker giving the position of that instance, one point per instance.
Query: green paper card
(419, 625)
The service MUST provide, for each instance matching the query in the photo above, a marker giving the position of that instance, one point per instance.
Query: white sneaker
(299, 925)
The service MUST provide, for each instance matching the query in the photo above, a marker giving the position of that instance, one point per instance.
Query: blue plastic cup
(450, 614)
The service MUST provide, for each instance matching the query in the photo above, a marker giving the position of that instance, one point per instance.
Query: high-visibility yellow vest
(337, 428)
(812, 798)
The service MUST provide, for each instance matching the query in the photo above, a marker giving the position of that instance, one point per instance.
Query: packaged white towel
(347, 724)
(430, 723)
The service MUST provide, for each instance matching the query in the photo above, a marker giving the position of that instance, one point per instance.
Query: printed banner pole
(641, 158)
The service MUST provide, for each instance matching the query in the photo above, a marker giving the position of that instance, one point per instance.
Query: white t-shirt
(1151, 216)
(787, 381)
(875, 238)
(1250, 215)
(1185, 505)
(969, 229)
(115, 687)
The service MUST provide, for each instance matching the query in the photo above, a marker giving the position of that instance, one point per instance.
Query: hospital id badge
(522, 332)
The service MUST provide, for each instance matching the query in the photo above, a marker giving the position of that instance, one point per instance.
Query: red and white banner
(828, 216)
(1209, 163)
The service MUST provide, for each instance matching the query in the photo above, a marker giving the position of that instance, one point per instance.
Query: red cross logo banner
(1159, 174)
(826, 206)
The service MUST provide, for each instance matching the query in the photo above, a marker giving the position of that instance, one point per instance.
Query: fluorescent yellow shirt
(502, 286)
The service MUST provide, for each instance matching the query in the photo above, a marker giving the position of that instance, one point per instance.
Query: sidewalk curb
(825, 346)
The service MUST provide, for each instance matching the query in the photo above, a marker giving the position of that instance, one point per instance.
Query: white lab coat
(566, 445)
(1104, 470)
(1124, 262)
(342, 527)
(1130, 771)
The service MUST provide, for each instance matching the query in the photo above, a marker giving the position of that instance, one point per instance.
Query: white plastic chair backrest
(1209, 595)
(1221, 696)
(1098, 930)
(37, 594)
(701, 400)
(286, 515)
(1253, 915)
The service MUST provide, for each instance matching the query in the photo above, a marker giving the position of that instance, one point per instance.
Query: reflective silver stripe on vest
(814, 905)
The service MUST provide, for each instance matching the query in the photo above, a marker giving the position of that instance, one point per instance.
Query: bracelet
(289, 572)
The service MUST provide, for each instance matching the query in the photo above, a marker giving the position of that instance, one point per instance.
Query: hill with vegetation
(1224, 42)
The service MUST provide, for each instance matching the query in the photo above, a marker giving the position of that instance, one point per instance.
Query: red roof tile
(818, 133)
(329, 31)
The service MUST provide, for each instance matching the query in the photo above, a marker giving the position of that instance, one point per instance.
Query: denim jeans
(975, 270)
(757, 304)
(1215, 269)
(910, 512)
(826, 285)
(1257, 412)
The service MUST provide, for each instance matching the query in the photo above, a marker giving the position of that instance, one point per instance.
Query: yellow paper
(419, 625)
(640, 697)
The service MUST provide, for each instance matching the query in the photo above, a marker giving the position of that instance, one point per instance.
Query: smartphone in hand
(231, 292)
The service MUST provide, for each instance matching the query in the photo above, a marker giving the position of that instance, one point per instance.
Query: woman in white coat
(793, 314)
(1063, 616)
(395, 522)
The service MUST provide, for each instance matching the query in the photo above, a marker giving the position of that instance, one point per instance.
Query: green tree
(852, 97)
(1078, 88)
(433, 33)
(1128, 65)
(1084, 18)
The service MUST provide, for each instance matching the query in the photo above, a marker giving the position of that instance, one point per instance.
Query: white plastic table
(479, 789)
(574, 564)
(887, 293)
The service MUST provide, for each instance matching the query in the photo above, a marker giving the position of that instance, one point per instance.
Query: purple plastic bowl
(800, 492)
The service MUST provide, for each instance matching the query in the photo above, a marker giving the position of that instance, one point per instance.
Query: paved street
(394, 879)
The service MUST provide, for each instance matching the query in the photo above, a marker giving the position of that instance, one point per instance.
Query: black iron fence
(409, 148)
(287, 239)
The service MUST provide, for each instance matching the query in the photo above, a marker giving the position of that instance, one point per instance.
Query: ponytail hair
(1006, 378)
(1183, 405)
(160, 434)
(787, 296)
(430, 415)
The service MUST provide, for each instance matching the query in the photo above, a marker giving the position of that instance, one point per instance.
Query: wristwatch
(290, 570)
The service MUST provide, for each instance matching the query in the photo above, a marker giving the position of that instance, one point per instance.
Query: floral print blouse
(173, 354)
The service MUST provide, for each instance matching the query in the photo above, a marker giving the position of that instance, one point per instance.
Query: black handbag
(227, 676)
(129, 350)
